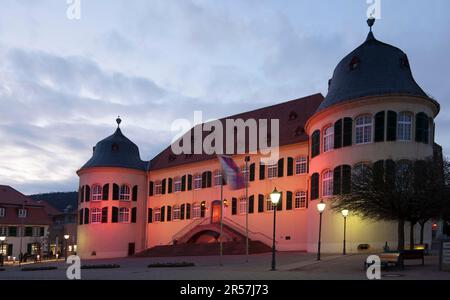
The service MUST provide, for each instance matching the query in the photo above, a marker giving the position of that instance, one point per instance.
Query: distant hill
(58, 200)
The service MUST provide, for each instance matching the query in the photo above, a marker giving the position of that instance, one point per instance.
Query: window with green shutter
(251, 204)
(41, 231)
(86, 216)
(281, 167)
(337, 180)
(338, 134)
(182, 208)
(260, 203)
(262, 171)
(289, 200)
(82, 194)
(169, 186)
(169, 213)
(346, 179)
(115, 191)
(163, 186)
(163, 214)
(115, 215)
(150, 188)
(104, 215)
(88, 193)
(252, 172)
(290, 166)
(234, 206)
(379, 126)
(315, 143)
(189, 182)
(188, 211)
(105, 192)
(80, 217)
(135, 193)
(391, 134)
(348, 132)
(183, 183)
(314, 186)
(133, 214)
(150, 215)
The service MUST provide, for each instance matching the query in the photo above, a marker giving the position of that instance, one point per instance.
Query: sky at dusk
(63, 82)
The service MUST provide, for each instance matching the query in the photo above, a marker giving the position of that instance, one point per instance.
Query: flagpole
(221, 216)
(247, 158)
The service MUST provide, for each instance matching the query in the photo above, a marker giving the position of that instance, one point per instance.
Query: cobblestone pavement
(290, 265)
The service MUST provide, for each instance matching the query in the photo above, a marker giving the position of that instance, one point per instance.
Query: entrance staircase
(233, 244)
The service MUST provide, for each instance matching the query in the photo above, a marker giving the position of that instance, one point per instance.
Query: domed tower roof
(372, 69)
(116, 151)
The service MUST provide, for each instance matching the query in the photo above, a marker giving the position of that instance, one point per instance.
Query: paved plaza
(290, 265)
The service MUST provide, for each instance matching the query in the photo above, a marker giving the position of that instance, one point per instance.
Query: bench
(397, 259)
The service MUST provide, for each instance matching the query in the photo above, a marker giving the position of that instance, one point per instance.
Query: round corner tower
(112, 197)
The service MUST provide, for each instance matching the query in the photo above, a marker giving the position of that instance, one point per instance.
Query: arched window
(243, 205)
(96, 216)
(272, 170)
(315, 143)
(404, 126)
(197, 181)
(158, 187)
(301, 165)
(244, 172)
(300, 199)
(327, 183)
(97, 193)
(177, 184)
(196, 211)
(124, 215)
(328, 139)
(363, 129)
(217, 178)
(176, 212)
(124, 193)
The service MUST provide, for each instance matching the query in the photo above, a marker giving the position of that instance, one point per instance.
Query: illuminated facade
(374, 111)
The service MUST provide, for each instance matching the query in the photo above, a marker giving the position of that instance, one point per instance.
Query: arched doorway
(204, 237)
(215, 212)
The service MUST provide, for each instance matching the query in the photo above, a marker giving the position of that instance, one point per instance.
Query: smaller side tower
(111, 202)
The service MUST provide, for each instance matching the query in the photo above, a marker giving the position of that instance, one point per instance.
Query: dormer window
(22, 213)
(354, 63)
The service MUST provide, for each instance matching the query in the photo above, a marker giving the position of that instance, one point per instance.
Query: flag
(232, 172)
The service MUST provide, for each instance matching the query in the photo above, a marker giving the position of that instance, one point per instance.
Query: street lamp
(344, 214)
(320, 208)
(66, 238)
(274, 198)
(2, 239)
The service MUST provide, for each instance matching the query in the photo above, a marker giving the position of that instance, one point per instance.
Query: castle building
(374, 111)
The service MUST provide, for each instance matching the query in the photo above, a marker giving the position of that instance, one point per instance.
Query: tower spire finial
(118, 121)
(371, 22)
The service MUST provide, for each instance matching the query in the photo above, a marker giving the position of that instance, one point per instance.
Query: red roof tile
(292, 116)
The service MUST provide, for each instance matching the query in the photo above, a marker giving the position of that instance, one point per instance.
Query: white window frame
(21, 231)
(301, 165)
(96, 215)
(176, 214)
(197, 181)
(177, 185)
(2, 212)
(97, 192)
(272, 171)
(124, 192)
(404, 127)
(218, 178)
(157, 215)
(363, 129)
(243, 205)
(196, 211)
(300, 200)
(245, 173)
(4, 231)
(327, 183)
(158, 188)
(328, 138)
(269, 204)
(124, 215)
(22, 213)
(36, 231)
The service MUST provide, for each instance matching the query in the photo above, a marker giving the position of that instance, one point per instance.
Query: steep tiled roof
(292, 116)
(12, 200)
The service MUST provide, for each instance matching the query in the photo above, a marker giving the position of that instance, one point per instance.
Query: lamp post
(66, 238)
(274, 198)
(320, 208)
(2, 239)
(344, 214)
